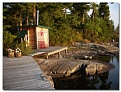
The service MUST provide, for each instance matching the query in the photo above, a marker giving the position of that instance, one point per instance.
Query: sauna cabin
(37, 37)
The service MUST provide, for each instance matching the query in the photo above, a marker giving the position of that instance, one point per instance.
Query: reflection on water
(107, 80)
(114, 73)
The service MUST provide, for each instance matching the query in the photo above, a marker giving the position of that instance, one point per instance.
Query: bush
(7, 39)
(86, 40)
(25, 50)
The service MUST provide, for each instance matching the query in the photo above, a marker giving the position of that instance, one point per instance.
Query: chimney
(37, 20)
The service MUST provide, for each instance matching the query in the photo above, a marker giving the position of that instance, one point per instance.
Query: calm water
(107, 80)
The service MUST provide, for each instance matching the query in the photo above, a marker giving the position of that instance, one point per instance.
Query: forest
(69, 22)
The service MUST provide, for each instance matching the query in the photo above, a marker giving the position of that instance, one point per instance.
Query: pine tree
(104, 11)
(65, 26)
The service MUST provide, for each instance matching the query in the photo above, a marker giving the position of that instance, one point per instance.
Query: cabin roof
(43, 26)
(36, 26)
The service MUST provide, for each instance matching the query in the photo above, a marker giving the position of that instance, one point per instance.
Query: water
(108, 80)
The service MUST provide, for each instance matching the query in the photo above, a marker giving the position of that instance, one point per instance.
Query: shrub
(25, 50)
(7, 41)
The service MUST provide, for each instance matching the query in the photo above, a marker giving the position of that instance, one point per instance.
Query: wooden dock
(23, 74)
(50, 51)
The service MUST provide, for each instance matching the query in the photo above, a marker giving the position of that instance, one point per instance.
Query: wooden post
(65, 51)
(28, 36)
(47, 56)
(21, 39)
(26, 40)
(37, 30)
(59, 54)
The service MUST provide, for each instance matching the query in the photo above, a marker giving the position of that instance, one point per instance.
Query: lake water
(108, 80)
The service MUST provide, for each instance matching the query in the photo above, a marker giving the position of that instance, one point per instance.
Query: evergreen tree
(107, 25)
(104, 11)
(69, 22)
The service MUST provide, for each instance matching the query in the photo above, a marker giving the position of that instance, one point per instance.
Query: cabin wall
(42, 37)
(38, 37)
(31, 36)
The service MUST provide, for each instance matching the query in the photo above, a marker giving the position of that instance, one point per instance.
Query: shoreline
(79, 53)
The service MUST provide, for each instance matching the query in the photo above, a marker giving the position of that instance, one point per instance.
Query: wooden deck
(23, 73)
(50, 51)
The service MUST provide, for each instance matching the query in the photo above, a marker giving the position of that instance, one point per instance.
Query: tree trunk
(20, 19)
(83, 18)
(27, 20)
(26, 16)
(86, 33)
(34, 14)
(65, 13)
(17, 24)
(93, 16)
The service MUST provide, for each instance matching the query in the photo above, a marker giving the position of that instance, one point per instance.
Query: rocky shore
(90, 50)
(58, 68)
(81, 58)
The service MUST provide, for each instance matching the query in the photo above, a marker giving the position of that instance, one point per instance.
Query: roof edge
(36, 26)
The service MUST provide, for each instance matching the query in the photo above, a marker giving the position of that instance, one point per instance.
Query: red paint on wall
(41, 45)
(41, 33)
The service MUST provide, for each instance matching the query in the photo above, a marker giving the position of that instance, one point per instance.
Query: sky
(114, 12)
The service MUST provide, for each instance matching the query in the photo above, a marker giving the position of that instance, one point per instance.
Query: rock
(86, 57)
(63, 68)
(90, 57)
(96, 67)
(50, 80)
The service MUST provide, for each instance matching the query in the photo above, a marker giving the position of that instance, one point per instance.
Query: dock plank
(24, 84)
(17, 75)
(11, 80)
(14, 63)
(20, 66)
(23, 73)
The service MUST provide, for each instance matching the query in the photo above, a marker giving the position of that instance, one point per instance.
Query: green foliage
(104, 10)
(8, 39)
(66, 27)
(116, 34)
(25, 50)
